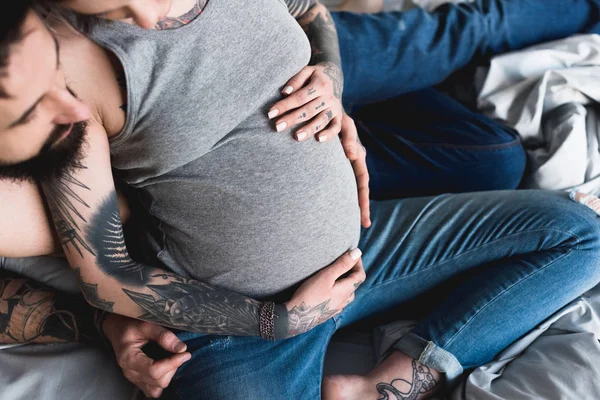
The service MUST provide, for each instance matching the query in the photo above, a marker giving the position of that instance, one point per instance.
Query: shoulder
(92, 73)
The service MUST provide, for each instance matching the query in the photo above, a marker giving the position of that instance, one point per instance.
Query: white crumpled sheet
(549, 93)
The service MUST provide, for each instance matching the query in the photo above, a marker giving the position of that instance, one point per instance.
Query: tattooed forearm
(423, 382)
(171, 22)
(320, 29)
(167, 299)
(134, 289)
(90, 292)
(33, 313)
(191, 305)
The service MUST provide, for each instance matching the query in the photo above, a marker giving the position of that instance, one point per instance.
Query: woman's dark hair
(12, 17)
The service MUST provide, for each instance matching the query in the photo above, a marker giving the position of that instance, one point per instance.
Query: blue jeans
(488, 268)
(427, 144)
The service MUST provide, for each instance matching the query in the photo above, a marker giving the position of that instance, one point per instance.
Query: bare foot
(347, 387)
(362, 6)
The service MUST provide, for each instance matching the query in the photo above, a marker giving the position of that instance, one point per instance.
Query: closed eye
(26, 117)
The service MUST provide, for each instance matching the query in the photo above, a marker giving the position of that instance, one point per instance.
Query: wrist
(103, 323)
(273, 321)
(281, 322)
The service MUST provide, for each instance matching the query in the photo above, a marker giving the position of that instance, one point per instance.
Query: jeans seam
(478, 248)
(481, 147)
(489, 147)
(500, 295)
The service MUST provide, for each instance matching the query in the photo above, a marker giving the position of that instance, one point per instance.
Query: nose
(67, 108)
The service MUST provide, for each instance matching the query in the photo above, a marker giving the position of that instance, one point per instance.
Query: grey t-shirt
(232, 202)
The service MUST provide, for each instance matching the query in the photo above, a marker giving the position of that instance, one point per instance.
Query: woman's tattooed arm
(319, 26)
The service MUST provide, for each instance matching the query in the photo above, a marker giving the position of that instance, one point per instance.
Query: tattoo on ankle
(422, 382)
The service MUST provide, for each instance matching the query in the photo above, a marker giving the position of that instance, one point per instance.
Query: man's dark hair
(12, 17)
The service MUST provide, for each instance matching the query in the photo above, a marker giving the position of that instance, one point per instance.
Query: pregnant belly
(260, 223)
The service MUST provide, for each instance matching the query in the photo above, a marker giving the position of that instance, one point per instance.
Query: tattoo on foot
(303, 318)
(422, 382)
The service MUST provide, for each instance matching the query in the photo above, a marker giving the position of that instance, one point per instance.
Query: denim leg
(230, 367)
(518, 257)
(388, 54)
(425, 143)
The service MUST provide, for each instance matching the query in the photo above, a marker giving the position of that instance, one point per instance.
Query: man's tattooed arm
(318, 24)
(93, 241)
(33, 313)
(423, 382)
(84, 208)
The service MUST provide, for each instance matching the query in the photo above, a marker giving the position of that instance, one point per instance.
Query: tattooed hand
(316, 104)
(315, 93)
(325, 294)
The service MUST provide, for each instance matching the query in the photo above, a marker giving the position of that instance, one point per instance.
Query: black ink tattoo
(302, 116)
(357, 284)
(33, 313)
(179, 302)
(171, 23)
(192, 305)
(63, 201)
(329, 114)
(422, 382)
(299, 7)
(334, 73)
(311, 91)
(320, 106)
(105, 235)
(317, 128)
(90, 292)
(303, 318)
(320, 29)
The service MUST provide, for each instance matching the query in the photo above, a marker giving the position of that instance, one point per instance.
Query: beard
(56, 157)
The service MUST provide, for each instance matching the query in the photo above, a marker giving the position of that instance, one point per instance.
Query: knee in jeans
(585, 224)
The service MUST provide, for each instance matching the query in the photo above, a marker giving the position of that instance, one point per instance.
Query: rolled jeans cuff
(431, 355)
